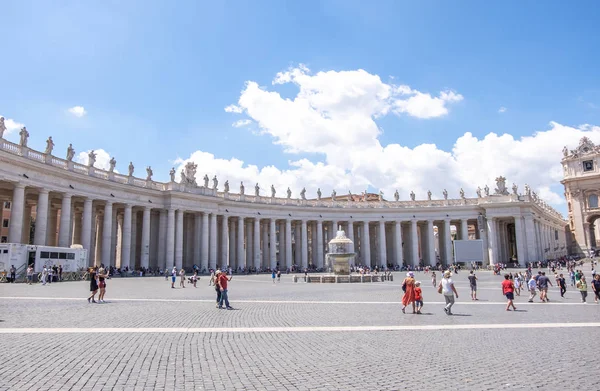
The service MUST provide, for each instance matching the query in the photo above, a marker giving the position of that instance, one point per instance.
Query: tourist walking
(182, 278)
(93, 285)
(30, 274)
(582, 286)
(448, 289)
(13, 273)
(49, 275)
(596, 288)
(543, 283)
(195, 278)
(433, 279)
(418, 297)
(532, 285)
(273, 275)
(408, 286)
(562, 284)
(212, 277)
(223, 280)
(102, 276)
(44, 275)
(508, 289)
(173, 276)
(217, 287)
(473, 285)
(278, 275)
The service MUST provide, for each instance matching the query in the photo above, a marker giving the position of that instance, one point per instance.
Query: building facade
(581, 173)
(126, 221)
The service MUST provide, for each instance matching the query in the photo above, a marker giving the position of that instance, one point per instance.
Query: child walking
(418, 297)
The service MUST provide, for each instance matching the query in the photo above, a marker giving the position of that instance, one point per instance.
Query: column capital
(19, 185)
(67, 194)
(44, 191)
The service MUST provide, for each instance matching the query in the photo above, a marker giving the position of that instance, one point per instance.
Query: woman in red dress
(409, 292)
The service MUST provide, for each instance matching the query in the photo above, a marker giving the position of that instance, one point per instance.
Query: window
(588, 165)
(70, 255)
(4, 239)
(7, 205)
(44, 255)
(54, 255)
(5, 223)
(593, 201)
(62, 255)
(556, 235)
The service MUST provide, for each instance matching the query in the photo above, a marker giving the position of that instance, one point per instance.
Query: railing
(78, 168)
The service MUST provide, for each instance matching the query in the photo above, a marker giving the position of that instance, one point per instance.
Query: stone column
(145, 255)
(365, 244)
(225, 242)
(448, 242)
(179, 240)
(265, 258)
(398, 240)
(126, 241)
(350, 235)
(119, 241)
(106, 233)
(76, 236)
(288, 243)
(320, 260)
(273, 244)
(297, 245)
(98, 240)
(197, 259)
(249, 244)
(304, 244)
(212, 257)
(162, 235)
(464, 229)
(414, 242)
(431, 259)
(26, 233)
(492, 240)
(205, 245)
(281, 242)
(520, 239)
(113, 238)
(382, 245)
(86, 235)
(134, 238)
(241, 252)
(256, 242)
(41, 219)
(232, 250)
(170, 249)
(16, 214)
(65, 222)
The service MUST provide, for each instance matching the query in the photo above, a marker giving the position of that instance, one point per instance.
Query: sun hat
(410, 274)
(447, 273)
(218, 272)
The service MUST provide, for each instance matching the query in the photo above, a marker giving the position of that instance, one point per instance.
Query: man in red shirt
(508, 289)
(223, 280)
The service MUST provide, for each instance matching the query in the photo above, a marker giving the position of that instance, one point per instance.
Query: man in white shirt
(44, 275)
(448, 290)
(532, 286)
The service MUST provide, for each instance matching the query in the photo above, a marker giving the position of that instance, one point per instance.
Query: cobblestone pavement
(149, 336)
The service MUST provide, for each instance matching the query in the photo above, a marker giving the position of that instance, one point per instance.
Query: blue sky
(154, 79)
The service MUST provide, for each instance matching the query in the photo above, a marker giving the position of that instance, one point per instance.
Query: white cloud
(11, 125)
(233, 109)
(77, 111)
(241, 122)
(335, 113)
(502, 110)
(102, 158)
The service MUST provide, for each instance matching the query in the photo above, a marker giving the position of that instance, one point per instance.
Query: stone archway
(591, 228)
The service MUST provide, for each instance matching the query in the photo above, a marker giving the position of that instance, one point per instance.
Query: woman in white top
(447, 288)
(182, 276)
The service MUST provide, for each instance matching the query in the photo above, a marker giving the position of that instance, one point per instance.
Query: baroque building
(127, 221)
(582, 188)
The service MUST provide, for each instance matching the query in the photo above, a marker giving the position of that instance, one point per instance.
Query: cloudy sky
(350, 95)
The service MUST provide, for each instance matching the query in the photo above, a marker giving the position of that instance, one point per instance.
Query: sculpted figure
(412, 195)
(396, 195)
(333, 194)
(226, 187)
(380, 195)
(172, 174)
(445, 194)
(257, 190)
(565, 151)
(206, 180)
(149, 173)
(478, 191)
(429, 195)
(182, 176)
(92, 158)
(242, 188)
(2, 127)
(273, 192)
(527, 189)
(215, 183)
(49, 146)
(462, 193)
(486, 189)
(289, 193)
(303, 193)
(112, 164)
(350, 198)
(24, 136)
(319, 194)
(70, 153)
(515, 189)
(131, 168)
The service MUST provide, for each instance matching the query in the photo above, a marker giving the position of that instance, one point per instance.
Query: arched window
(593, 201)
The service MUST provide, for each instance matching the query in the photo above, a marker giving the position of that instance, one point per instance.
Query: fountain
(340, 255)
